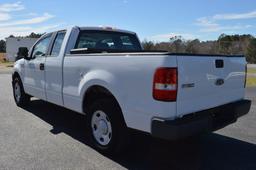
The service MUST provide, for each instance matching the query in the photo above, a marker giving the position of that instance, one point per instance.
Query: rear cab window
(107, 40)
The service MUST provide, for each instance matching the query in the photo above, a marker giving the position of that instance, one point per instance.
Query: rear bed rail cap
(144, 52)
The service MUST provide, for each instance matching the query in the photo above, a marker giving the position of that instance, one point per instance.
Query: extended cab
(105, 74)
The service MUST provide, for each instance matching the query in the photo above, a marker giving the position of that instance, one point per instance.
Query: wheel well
(15, 75)
(98, 92)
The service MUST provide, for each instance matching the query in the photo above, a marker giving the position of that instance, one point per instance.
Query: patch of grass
(251, 82)
(252, 70)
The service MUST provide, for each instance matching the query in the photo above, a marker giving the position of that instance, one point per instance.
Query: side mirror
(22, 53)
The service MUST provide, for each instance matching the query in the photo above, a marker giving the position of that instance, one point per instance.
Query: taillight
(245, 78)
(165, 84)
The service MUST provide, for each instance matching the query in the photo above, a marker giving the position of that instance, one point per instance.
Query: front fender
(19, 68)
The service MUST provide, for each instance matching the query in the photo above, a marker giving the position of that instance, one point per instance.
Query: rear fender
(99, 78)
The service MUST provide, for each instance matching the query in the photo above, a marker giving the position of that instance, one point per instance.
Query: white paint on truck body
(201, 71)
(129, 77)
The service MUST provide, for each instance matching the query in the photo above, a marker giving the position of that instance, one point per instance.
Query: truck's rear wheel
(20, 97)
(108, 132)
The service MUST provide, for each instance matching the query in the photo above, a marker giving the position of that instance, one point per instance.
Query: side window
(57, 43)
(40, 49)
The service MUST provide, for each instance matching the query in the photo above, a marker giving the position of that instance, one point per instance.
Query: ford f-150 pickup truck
(105, 74)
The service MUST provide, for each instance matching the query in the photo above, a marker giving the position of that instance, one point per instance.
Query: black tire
(119, 137)
(24, 98)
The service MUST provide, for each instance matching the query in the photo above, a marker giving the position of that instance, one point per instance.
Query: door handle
(41, 66)
(219, 63)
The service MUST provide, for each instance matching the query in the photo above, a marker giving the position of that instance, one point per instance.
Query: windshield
(108, 41)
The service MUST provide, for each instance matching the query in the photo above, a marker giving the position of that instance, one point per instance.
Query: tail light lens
(245, 78)
(165, 84)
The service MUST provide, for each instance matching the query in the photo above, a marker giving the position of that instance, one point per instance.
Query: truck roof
(112, 29)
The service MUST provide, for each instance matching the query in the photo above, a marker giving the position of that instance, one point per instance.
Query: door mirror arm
(27, 58)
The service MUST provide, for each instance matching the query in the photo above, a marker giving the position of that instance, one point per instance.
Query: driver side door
(34, 79)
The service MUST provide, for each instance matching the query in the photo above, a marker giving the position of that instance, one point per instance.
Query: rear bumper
(196, 123)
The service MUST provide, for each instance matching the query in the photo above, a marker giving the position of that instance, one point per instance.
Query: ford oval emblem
(219, 82)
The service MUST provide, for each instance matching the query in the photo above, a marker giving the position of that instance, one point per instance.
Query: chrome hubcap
(101, 128)
(17, 92)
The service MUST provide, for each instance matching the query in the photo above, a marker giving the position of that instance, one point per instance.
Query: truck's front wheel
(108, 132)
(20, 97)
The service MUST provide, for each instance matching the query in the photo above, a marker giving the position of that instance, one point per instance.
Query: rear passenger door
(53, 70)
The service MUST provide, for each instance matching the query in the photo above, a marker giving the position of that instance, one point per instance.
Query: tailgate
(207, 81)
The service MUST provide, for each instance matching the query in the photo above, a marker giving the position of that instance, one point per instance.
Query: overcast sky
(152, 19)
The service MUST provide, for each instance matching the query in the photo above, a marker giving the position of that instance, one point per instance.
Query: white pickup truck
(104, 73)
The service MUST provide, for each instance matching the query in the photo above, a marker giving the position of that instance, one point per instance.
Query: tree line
(225, 44)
